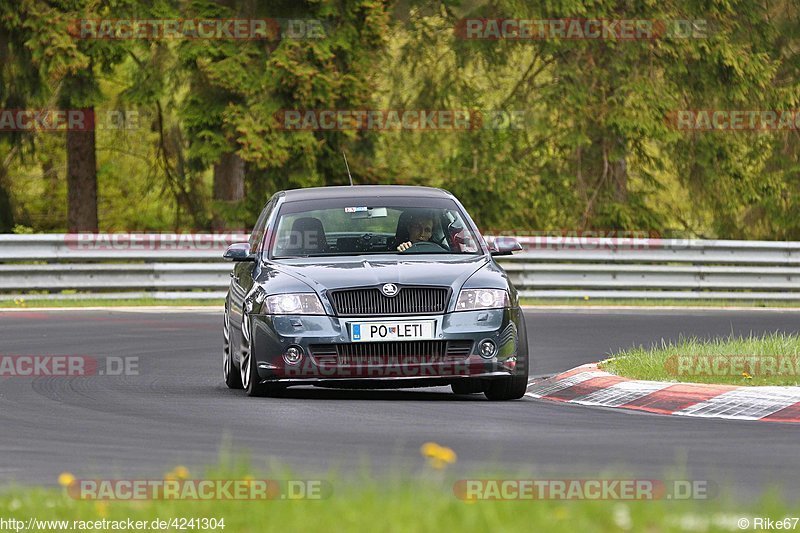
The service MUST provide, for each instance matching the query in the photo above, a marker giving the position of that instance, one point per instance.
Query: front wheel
(511, 388)
(230, 373)
(251, 381)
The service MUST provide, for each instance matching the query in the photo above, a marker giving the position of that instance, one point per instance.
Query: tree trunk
(81, 180)
(228, 185)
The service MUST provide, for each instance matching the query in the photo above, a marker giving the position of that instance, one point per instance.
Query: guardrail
(169, 266)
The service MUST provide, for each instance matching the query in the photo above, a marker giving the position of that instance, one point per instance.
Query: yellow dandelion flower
(429, 449)
(447, 455)
(66, 479)
(438, 456)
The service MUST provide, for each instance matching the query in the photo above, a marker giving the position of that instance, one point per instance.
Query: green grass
(134, 302)
(655, 302)
(772, 359)
(424, 501)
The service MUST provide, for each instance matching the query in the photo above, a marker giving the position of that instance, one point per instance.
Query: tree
(597, 150)
(237, 86)
(79, 90)
(212, 140)
(31, 48)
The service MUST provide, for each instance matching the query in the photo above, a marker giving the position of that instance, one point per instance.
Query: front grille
(372, 302)
(391, 353)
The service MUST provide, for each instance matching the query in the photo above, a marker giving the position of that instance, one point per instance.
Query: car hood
(345, 272)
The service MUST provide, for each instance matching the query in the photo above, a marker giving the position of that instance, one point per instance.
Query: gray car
(372, 287)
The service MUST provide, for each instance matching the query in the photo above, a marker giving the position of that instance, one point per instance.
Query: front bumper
(274, 334)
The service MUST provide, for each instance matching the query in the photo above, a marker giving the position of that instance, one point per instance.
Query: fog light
(293, 355)
(487, 349)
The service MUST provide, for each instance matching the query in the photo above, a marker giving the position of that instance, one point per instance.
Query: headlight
(470, 299)
(294, 304)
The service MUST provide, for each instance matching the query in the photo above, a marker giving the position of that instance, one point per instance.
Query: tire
(248, 371)
(468, 386)
(230, 373)
(511, 388)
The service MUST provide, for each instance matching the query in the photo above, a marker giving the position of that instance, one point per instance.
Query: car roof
(365, 191)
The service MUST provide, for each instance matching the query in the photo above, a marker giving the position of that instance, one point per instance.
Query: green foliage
(596, 151)
(588, 147)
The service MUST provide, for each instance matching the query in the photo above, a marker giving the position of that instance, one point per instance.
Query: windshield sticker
(354, 209)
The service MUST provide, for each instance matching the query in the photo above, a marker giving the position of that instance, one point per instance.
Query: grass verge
(772, 359)
(426, 502)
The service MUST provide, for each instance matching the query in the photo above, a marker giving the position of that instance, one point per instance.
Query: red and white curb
(587, 385)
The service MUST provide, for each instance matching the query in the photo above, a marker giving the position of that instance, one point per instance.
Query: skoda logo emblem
(390, 289)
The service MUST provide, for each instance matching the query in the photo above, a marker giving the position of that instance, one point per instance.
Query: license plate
(393, 331)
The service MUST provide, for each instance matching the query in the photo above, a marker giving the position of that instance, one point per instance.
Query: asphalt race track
(178, 411)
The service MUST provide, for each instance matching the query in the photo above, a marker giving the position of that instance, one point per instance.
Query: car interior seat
(307, 237)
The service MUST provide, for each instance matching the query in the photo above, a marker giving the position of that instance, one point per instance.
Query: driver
(420, 229)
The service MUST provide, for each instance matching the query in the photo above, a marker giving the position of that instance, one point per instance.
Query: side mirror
(239, 251)
(505, 246)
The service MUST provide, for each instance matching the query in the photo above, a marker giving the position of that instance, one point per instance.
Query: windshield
(356, 227)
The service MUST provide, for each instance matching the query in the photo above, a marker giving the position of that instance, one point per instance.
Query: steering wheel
(423, 246)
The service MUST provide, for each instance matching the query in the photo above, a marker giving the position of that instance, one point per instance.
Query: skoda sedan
(372, 287)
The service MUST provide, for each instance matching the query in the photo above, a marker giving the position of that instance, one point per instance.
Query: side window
(257, 237)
